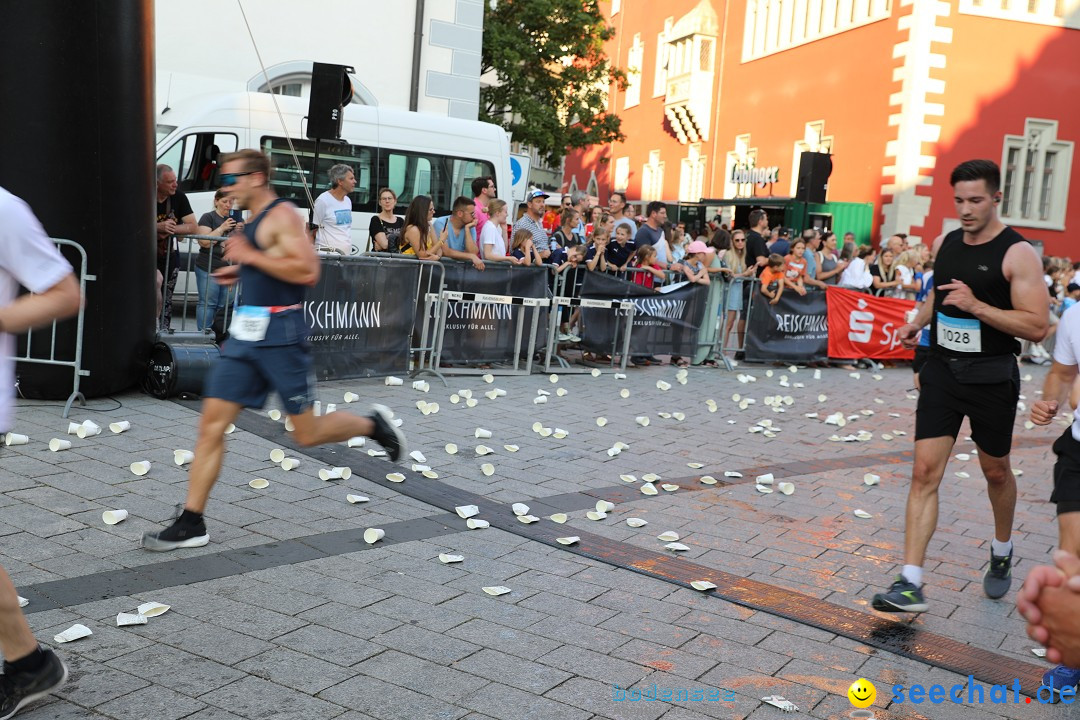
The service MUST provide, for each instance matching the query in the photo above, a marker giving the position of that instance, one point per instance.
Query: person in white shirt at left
(333, 212)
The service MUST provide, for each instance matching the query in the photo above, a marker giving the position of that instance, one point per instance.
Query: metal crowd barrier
(442, 300)
(76, 362)
(735, 323)
(186, 280)
(565, 299)
(431, 282)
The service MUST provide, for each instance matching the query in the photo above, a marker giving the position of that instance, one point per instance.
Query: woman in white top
(856, 275)
(905, 268)
(493, 235)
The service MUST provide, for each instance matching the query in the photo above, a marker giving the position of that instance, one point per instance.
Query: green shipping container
(838, 217)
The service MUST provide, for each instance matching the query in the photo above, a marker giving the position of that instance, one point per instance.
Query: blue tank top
(258, 288)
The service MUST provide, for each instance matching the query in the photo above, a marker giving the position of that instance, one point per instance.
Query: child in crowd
(795, 267)
(619, 253)
(693, 263)
(772, 279)
(521, 247)
(645, 259)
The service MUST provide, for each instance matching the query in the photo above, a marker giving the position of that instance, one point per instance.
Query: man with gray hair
(174, 217)
(332, 215)
(580, 201)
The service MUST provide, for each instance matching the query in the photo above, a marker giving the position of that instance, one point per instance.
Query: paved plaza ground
(288, 614)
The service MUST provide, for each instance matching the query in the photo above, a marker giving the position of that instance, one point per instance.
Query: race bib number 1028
(959, 334)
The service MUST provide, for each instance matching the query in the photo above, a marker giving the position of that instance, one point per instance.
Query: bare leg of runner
(931, 456)
(209, 451)
(1001, 487)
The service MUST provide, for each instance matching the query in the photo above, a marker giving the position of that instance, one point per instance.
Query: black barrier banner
(483, 332)
(666, 323)
(796, 329)
(361, 317)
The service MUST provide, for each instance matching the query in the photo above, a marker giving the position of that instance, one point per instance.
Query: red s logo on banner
(864, 326)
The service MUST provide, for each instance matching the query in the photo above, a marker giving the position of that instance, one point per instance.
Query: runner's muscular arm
(1055, 390)
(1029, 318)
(289, 256)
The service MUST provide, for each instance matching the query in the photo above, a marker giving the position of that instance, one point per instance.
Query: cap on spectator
(533, 194)
(1072, 287)
(697, 247)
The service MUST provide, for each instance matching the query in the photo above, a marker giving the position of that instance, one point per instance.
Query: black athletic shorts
(921, 354)
(944, 402)
(1066, 473)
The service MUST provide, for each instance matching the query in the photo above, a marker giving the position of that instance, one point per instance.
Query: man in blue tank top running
(267, 348)
(988, 291)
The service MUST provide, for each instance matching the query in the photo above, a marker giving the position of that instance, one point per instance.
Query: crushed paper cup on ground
(259, 483)
(88, 429)
(511, 448)
(649, 489)
(765, 479)
(395, 477)
(559, 518)
(636, 522)
(23, 602)
(418, 456)
(112, 517)
(862, 514)
(520, 509)
(477, 524)
(483, 450)
(668, 487)
(668, 536)
(73, 428)
(277, 455)
(601, 421)
(732, 474)
(703, 585)
(290, 464)
(664, 386)
(676, 547)
(356, 499)
(119, 427)
(707, 480)
(391, 380)
(527, 519)
(628, 478)
(594, 515)
(467, 511)
(351, 397)
(153, 609)
(488, 469)
(496, 590)
(230, 429)
(871, 479)
(451, 449)
(604, 506)
(274, 415)
(73, 633)
(140, 467)
(123, 619)
(786, 487)
(446, 558)
(374, 535)
(763, 489)
(567, 540)
(183, 457)
(16, 439)
(57, 444)
(358, 441)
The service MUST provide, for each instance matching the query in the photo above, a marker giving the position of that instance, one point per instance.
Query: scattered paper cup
(88, 429)
(16, 439)
(862, 514)
(786, 487)
(669, 487)
(395, 477)
(183, 457)
(358, 441)
(391, 380)
(624, 393)
(703, 585)
(446, 558)
(467, 511)
(329, 474)
(539, 400)
(451, 449)
(421, 385)
(431, 474)
(567, 540)
(123, 619)
(601, 421)
(289, 427)
(23, 602)
(559, 518)
(290, 464)
(153, 609)
(477, 524)
(374, 535)
(642, 420)
(140, 467)
(230, 429)
(628, 478)
(274, 415)
(277, 455)
(488, 469)
(649, 489)
(595, 372)
(520, 509)
(119, 427)
(351, 397)
(765, 479)
(871, 479)
(636, 522)
(648, 477)
(511, 448)
(331, 408)
(481, 433)
(73, 428)
(471, 402)
(668, 536)
(664, 386)
(356, 499)
(676, 547)
(604, 506)
(496, 590)
(527, 519)
(259, 483)
(707, 480)
(562, 392)
(56, 444)
(594, 515)
(73, 633)
(112, 517)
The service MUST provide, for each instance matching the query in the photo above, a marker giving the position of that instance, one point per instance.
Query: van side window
(196, 159)
(442, 177)
(286, 177)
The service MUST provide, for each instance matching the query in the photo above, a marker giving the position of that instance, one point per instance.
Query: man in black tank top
(988, 291)
(267, 349)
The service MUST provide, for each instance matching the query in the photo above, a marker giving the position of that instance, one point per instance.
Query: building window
(616, 5)
(814, 140)
(1035, 182)
(1060, 13)
(634, 60)
(692, 176)
(776, 25)
(622, 174)
(663, 58)
(652, 178)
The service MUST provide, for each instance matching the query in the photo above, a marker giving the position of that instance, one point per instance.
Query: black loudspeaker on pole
(814, 171)
(77, 143)
(331, 91)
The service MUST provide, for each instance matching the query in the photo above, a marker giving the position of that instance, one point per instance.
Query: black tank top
(258, 288)
(979, 266)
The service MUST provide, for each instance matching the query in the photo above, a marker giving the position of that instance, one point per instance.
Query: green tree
(552, 74)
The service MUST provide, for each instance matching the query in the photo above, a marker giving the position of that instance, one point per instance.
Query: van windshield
(163, 132)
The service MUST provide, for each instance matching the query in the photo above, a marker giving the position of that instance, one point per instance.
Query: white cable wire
(281, 117)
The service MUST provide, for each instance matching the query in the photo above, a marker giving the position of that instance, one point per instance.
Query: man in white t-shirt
(28, 258)
(333, 212)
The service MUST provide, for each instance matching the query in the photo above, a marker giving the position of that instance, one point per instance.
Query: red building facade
(898, 91)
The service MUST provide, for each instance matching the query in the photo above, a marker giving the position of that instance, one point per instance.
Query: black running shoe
(20, 689)
(901, 597)
(178, 535)
(386, 433)
(998, 577)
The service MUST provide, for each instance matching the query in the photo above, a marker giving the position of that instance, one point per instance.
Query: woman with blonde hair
(741, 271)
(910, 280)
(493, 234)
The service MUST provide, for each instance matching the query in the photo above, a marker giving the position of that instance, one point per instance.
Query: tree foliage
(552, 74)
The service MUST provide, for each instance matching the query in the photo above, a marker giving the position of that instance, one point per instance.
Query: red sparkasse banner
(864, 326)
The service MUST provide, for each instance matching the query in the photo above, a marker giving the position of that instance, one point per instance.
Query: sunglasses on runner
(228, 179)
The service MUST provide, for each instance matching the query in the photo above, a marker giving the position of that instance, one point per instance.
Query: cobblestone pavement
(289, 614)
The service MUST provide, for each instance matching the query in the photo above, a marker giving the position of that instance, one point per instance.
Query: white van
(411, 153)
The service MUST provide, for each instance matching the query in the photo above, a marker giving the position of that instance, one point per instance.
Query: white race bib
(249, 323)
(959, 334)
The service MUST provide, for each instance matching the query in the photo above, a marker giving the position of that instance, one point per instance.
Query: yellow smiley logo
(862, 693)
